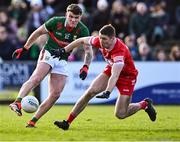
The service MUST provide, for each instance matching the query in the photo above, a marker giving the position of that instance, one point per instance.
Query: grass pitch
(96, 123)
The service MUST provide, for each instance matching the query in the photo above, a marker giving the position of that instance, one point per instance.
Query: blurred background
(150, 28)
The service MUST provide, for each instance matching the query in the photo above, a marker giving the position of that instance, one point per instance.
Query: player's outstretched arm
(88, 54)
(77, 43)
(116, 70)
(34, 36)
(18, 53)
(87, 61)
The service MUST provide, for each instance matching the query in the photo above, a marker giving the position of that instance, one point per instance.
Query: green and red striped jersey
(59, 35)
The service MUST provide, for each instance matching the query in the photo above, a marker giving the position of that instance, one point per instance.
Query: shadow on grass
(128, 130)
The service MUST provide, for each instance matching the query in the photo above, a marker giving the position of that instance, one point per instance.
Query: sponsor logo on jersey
(59, 33)
(67, 35)
(126, 90)
(118, 59)
(78, 31)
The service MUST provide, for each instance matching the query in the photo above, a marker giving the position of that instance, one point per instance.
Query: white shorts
(58, 66)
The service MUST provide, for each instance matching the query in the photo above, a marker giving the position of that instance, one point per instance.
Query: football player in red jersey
(60, 31)
(120, 72)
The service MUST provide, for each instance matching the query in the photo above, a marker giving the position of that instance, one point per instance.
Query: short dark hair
(75, 9)
(108, 30)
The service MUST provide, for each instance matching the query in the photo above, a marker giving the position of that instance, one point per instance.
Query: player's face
(106, 41)
(72, 19)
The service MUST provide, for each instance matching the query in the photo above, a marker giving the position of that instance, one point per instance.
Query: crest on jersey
(78, 31)
(67, 35)
(74, 37)
(59, 26)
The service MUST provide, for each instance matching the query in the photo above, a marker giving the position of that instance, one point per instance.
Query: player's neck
(66, 24)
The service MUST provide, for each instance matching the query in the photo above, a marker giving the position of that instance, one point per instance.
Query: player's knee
(55, 94)
(120, 115)
(91, 93)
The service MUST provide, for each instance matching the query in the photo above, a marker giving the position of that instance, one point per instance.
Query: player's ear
(112, 38)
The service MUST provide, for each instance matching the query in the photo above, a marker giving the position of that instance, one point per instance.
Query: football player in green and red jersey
(61, 31)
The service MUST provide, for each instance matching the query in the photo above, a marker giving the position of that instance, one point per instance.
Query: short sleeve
(84, 32)
(94, 41)
(118, 56)
(50, 24)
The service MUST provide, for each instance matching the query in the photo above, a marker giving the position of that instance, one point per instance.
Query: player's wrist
(25, 49)
(85, 66)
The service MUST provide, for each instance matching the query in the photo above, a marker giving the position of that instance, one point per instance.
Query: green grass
(96, 123)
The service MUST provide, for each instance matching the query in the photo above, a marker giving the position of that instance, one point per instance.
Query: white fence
(160, 81)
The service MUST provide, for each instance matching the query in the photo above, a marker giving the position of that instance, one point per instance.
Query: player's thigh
(41, 70)
(122, 103)
(57, 82)
(99, 84)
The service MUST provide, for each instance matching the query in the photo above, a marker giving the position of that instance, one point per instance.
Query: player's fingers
(18, 56)
(83, 75)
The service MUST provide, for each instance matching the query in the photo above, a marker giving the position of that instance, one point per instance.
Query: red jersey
(119, 53)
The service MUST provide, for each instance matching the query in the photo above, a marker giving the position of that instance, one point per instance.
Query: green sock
(34, 119)
(18, 99)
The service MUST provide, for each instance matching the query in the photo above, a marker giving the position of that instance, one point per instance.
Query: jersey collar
(69, 29)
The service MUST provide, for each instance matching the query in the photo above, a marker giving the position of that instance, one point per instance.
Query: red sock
(71, 117)
(31, 123)
(143, 104)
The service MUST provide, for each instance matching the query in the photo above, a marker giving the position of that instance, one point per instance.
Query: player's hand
(58, 53)
(83, 72)
(18, 53)
(104, 95)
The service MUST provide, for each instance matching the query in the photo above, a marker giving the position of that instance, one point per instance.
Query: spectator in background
(130, 41)
(11, 27)
(6, 45)
(141, 22)
(177, 35)
(101, 14)
(161, 22)
(4, 20)
(161, 55)
(36, 17)
(175, 53)
(119, 18)
(145, 52)
(86, 17)
(5, 3)
(48, 10)
(18, 12)
(97, 54)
